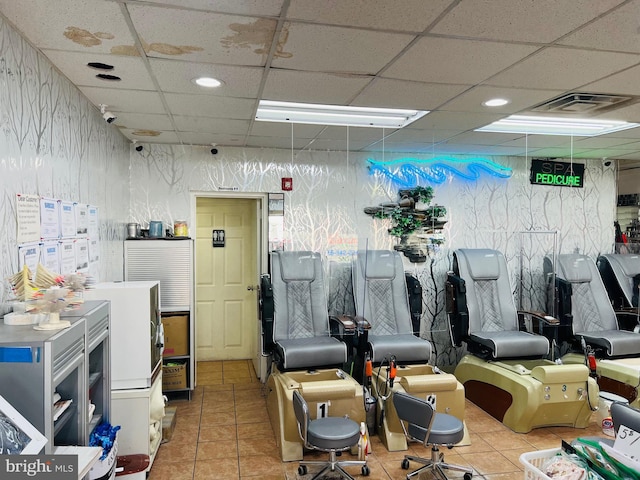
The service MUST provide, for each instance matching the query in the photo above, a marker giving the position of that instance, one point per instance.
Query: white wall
(54, 143)
(330, 192)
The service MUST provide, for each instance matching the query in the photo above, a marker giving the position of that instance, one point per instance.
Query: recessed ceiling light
(577, 127)
(207, 82)
(311, 113)
(495, 102)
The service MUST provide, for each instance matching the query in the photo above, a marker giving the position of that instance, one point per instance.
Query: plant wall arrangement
(414, 221)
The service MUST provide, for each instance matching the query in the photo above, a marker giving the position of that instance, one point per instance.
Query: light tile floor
(224, 433)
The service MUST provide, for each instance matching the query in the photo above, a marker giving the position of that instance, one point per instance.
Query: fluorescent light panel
(288, 112)
(556, 126)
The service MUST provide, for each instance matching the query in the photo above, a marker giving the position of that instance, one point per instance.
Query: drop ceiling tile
(277, 142)
(556, 152)
(135, 101)
(415, 135)
(563, 68)
(408, 15)
(633, 134)
(279, 129)
(356, 134)
(337, 49)
(211, 125)
(603, 141)
(532, 142)
(221, 140)
(617, 31)
(240, 7)
(624, 83)
(335, 145)
(384, 92)
(455, 61)
(210, 106)
(542, 21)
(176, 76)
(312, 87)
(141, 121)
(611, 152)
(630, 145)
(484, 138)
(78, 25)
(131, 70)
(163, 137)
(492, 150)
(392, 150)
(627, 114)
(202, 36)
(454, 120)
(519, 99)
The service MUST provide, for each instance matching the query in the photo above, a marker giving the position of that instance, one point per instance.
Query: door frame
(262, 246)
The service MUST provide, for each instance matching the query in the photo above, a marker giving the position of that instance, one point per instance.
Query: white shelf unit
(169, 261)
(97, 359)
(34, 365)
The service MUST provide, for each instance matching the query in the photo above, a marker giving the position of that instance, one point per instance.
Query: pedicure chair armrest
(628, 319)
(456, 307)
(541, 319)
(267, 313)
(349, 324)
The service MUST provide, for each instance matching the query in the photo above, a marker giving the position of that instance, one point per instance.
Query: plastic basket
(532, 462)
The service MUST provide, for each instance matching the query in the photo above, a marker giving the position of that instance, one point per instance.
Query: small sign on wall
(218, 238)
(287, 184)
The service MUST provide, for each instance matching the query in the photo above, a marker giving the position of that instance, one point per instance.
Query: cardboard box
(174, 376)
(176, 335)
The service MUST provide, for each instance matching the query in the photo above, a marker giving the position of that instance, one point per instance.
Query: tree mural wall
(54, 143)
(329, 196)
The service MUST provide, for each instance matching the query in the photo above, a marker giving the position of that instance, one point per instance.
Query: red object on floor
(132, 464)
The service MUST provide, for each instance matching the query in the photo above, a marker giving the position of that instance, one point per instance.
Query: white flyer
(93, 230)
(82, 222)
(67, 219)
(49, 256)
(49, 218)
(28, 217)
(82, 254)
(67, 257)
(29, 255)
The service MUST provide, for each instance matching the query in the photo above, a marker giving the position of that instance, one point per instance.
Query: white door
(226, 274)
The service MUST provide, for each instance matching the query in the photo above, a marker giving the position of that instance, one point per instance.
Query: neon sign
(407, 171)
(560, 174)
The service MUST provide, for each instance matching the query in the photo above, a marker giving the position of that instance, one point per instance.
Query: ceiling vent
(584, 104)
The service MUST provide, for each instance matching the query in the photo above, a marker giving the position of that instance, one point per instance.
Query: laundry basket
(532, 462)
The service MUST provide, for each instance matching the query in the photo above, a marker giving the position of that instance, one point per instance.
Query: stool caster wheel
(365, 470)
(405, 465)
(302, 470)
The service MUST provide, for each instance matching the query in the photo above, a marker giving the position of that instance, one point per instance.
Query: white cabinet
(169, 261)
(140, 412)
(136, 331)
(38, 366)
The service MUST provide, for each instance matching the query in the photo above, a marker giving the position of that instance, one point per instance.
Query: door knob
(253, 287)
